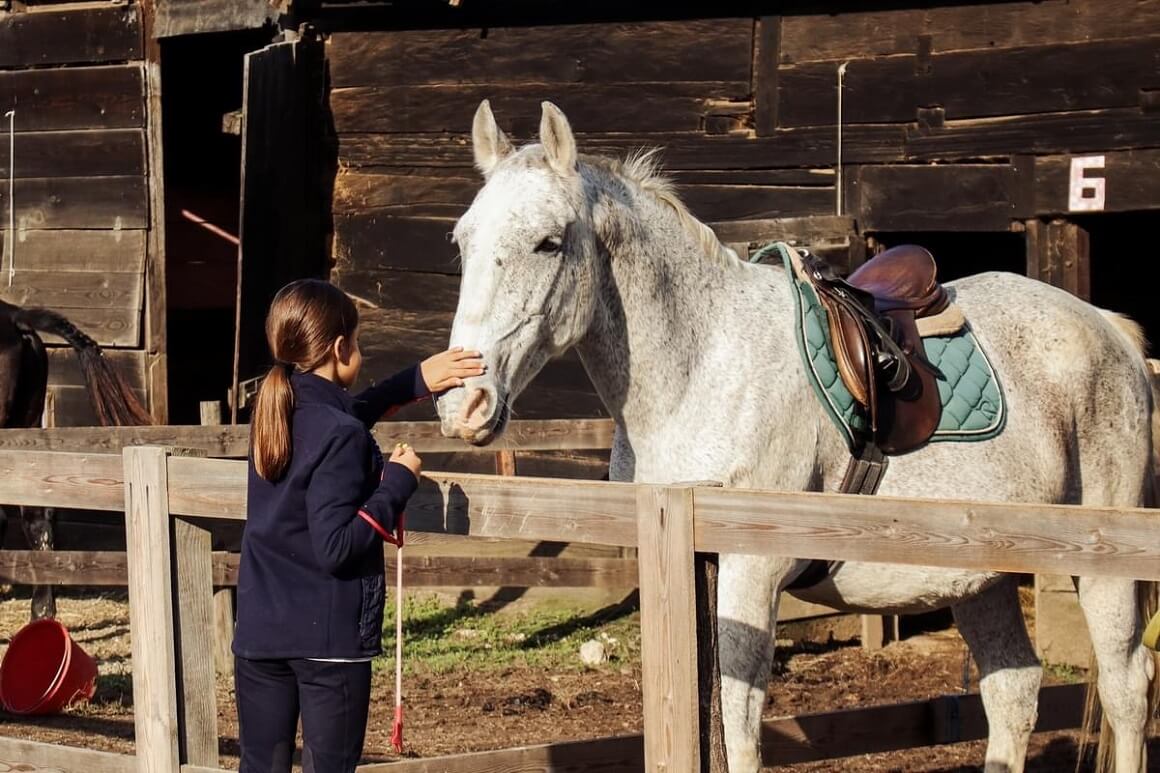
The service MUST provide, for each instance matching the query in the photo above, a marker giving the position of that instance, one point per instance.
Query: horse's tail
(1148, 593)
(111, 398)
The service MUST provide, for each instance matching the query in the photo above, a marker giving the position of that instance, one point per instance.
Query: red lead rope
(397, 730)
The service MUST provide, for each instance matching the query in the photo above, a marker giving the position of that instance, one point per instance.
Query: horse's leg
(1125, 667)
(38, 531)
(747, 614)
(993, 627)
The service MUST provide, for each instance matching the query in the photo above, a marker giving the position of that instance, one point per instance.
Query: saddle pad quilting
(972, 401)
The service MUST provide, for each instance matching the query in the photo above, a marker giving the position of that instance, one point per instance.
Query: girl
(321, 503)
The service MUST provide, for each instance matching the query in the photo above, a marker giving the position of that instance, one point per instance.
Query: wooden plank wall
(956, 118)
(74, 76)
(402, 105)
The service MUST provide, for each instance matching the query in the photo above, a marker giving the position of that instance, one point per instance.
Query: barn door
(288, 163)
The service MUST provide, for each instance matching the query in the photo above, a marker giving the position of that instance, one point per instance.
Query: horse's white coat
(692, 352)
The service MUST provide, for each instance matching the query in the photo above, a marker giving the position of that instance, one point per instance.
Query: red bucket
(44, 670)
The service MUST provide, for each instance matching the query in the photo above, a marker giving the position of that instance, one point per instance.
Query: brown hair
(305, 318)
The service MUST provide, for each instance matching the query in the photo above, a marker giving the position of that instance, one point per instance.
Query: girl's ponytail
(305, 319)
(270, 428)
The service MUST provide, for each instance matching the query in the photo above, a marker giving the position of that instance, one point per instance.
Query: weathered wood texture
(283, 227)
(108, 569)
(709, 50)
(75, 98)
(81, 206)
(116, 203)
(672, 739)
(71, 36)
(67, 250)
(156, 662)
(233, 441)
(33, 756)
(190, 17)
(194, 606)
(78, 153)
(1059, 253)
(876, 32)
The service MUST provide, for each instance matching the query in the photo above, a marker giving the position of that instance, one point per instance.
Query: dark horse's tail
(112, 399)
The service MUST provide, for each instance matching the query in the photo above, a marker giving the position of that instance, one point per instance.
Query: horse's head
(531, 266)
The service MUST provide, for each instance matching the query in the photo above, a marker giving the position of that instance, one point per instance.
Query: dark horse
(23, 382)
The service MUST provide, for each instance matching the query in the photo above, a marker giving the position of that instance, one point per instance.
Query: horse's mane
(643, 168)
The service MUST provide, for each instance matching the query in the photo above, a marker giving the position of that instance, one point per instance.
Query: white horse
(692, 351)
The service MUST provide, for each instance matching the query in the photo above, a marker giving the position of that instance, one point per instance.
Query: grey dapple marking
(692, 352)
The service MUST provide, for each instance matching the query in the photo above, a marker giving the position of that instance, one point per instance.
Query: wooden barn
(163, 149)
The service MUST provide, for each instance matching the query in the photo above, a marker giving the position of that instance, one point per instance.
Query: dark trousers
(332, 698)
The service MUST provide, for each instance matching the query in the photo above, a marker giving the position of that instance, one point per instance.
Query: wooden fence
(167, 499)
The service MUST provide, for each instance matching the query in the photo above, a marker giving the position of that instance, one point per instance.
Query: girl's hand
(447, 369)
(406, 456)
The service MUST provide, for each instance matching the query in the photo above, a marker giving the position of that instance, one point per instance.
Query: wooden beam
(196, 679)
(875, 31)
(601, 754)
(959, 197)
(31, 755)
(942, 720)
(75, 97)
(1130, 182)
(233, 441)
(155, 319)
(970, 84)
(46, 203)
(595, 53)
(766, 53)
(66, 290)
(1076, 131)
(71, 36)
(1095, 541)
(108, 152)
(81, 481)
(668, 650)
(663, 106)
(1059, 253)
(151, 610)
(69, 250)
(202, 16)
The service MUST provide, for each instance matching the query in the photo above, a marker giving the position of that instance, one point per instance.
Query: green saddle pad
(973, 406)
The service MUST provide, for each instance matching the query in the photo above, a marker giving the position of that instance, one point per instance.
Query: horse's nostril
(476, 409)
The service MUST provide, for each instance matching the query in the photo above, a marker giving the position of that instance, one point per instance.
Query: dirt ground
(478, 682)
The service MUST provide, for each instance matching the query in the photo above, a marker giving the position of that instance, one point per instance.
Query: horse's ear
(488, 141)
(558, 140)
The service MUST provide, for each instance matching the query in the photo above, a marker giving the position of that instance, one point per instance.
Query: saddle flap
(851, 350)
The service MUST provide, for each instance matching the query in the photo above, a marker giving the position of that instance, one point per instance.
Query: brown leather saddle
(874, 317)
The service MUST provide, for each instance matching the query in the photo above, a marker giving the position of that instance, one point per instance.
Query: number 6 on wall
(1086, 194)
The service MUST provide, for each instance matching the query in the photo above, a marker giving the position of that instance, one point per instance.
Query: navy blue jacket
(310, 583)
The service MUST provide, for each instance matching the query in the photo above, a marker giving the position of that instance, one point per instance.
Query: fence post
(147, 537)
(668, 629)
(223, 598)
(170, 614)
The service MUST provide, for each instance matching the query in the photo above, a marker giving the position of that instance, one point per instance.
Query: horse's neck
(682, 341)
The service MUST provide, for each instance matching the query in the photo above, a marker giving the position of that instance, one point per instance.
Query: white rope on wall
(11, 116)
(838, 181)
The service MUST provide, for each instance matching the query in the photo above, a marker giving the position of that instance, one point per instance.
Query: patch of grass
(441, 637)
(1065, 673)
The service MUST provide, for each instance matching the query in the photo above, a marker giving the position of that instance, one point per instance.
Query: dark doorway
(1121, 253)
(201, 87)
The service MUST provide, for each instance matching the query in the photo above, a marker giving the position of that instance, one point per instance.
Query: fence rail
(171, 568)
(233, 440)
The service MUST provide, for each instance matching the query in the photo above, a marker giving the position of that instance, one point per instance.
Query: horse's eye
(549, 246)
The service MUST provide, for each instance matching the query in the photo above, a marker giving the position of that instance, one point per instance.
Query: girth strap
(863, 474)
